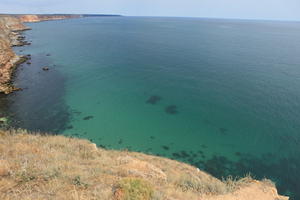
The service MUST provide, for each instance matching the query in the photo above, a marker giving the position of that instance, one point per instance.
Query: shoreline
(11, 29)
(15, 61)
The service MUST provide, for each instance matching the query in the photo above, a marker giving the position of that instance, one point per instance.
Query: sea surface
(222, 95)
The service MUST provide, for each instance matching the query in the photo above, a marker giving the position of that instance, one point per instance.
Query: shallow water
(222, 95)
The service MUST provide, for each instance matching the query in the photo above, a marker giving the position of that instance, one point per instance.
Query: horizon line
(120, 15)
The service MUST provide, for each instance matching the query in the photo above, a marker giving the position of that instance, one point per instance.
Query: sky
(241, 9)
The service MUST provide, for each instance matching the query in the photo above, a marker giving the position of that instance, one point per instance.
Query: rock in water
(172, 109)
(153, 99)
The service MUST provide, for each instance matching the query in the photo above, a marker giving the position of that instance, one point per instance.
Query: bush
(133, 189)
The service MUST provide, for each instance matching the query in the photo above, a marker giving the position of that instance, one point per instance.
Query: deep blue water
(223, 95)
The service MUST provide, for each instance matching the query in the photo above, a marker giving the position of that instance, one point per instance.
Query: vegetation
(35, 166)
(134, 189)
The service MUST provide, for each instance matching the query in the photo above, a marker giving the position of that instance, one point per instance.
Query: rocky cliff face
(10, 28)
(9, 36)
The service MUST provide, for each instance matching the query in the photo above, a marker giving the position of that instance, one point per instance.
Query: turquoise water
(222, 95)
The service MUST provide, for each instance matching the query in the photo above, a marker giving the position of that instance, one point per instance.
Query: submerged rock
(88, 117)
(153, 99)
(165, 147)
(172, 109)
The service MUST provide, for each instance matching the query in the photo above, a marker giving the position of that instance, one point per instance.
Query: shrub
(133, 189)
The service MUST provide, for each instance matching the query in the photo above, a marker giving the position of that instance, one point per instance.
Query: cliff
(10, 35)
(38, 18)
(34, 166)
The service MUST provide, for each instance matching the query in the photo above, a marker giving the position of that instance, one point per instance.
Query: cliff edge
(34, 166)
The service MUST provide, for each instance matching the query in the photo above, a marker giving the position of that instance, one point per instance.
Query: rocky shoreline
(11, 28)
(10, 36)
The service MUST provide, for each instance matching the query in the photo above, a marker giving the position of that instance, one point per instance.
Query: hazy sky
(250, 9)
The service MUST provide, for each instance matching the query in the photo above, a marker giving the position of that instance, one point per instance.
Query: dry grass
(133, 189)
(39, 167)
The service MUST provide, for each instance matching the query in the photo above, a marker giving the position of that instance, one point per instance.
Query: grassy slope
(36, 167)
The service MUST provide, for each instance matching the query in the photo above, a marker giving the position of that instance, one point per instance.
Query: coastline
(15, 61)
(10, 35)
(11, 28)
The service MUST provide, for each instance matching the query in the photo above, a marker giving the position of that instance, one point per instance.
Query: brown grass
(34, 166)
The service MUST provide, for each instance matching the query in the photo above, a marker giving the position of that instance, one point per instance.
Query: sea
(222, 95)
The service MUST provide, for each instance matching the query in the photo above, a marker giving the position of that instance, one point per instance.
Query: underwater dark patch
(88, 117)
(120, 141)
(194, 155)
(184, 154)
(152, 137)
(153, 99)
(176, 155)
(220, 167)
(223, 131)
(165, 147)
(129, 148)
(69, 127)
(238, 153)
(41, 106)
(102, 146)
(172, 109)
